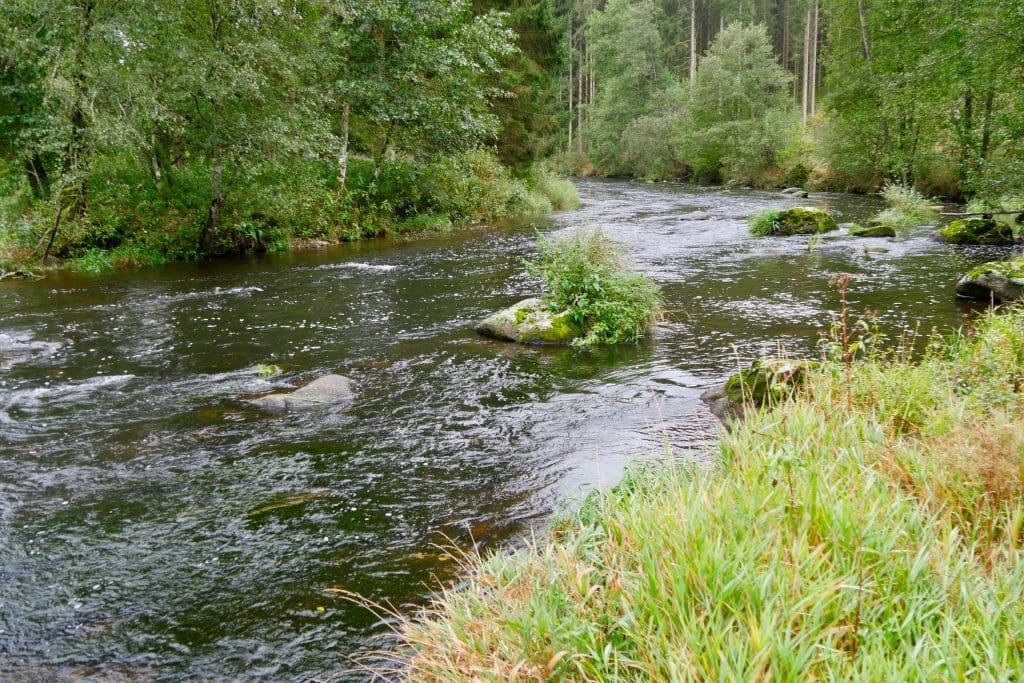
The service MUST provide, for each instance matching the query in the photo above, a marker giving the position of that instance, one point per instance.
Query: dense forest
(132, 133)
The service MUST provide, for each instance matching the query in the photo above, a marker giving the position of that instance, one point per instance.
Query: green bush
(587, 274)
(765, 222)
(906, 207)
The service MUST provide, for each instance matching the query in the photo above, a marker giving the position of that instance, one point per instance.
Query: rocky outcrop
(802, 220)
(872, 230)
(998, 281)
(530, 322)
(766, 382)
(326, 390)
(977, 231)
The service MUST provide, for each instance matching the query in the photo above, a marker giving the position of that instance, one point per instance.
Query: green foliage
(587, 274)
(765, 222)
(739, 118)
(266, 370)
(905, 207)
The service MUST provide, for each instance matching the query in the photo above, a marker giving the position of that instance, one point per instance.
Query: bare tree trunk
(343, 149)
(216, 204)
(38, 179)
(569, 148)
(55, 228)
(806, 67)
(579, 96)
(865, 46)
(812, 106)
(693, 40)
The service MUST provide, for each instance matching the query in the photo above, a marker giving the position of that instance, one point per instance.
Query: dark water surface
(155, 527)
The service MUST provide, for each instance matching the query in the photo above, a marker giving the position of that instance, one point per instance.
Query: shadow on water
(154, 526)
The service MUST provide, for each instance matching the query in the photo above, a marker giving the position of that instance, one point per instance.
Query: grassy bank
(869, 529)
(133, 219)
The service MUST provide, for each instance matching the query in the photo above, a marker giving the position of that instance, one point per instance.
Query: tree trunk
(812, 106)
(806, 67)
(216, 204)
(38, 179)
(379, 161)
(343, 151)
(569, 148)
(693, 40)
(579, 98)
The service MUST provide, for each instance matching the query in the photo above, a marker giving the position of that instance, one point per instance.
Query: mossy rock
(872, 230)
(977, 231)
(767, 380)
(802, 220)
(1000, 281)
(530, 322)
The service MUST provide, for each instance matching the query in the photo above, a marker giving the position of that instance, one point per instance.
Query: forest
(133, 133)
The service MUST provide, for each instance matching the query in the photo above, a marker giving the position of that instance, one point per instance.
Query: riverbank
(132, 221)
(870, 529)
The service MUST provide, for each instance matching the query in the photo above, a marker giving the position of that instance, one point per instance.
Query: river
(153, 526)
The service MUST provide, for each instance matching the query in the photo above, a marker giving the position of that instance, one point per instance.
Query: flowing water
(154, 526)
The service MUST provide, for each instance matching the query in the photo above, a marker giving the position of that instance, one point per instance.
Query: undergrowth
(764, 223)
(870, 529)
(588, 274)
(905, 207)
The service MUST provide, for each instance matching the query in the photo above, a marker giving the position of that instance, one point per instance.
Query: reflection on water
(155, 526)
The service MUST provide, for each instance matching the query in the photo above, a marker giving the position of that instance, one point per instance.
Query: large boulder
(977, 231)
(802, 220)
(872, 230)
(998, 280)
(767, 380)
(325, 390)
(530, 322)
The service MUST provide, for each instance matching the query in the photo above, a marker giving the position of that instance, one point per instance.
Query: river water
(153, 526)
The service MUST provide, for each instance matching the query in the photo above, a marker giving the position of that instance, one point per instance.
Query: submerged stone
(872, 230)
(997, 280)
(802, 220)
(977, 231)
(697, 216)
(325, 390)
(530, 322)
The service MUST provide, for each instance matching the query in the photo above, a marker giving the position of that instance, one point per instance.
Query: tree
(738, 113)
(627, 49)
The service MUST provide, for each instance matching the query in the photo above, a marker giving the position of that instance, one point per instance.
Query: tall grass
(588, 274)
(905, 207)
(871, 530)
(764, 223)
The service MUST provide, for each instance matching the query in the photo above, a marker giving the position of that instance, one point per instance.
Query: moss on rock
(977, 231)
(767, 380)
(997, 280)
(872, 230)
(800, 220)
(530, 322)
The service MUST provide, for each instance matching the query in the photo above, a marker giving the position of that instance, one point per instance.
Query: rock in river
(997, 280)
(977, 231)
(530, 322)
(325, 390)
(696, 216)
(872, 230)
(766, 382)
(802, 220)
